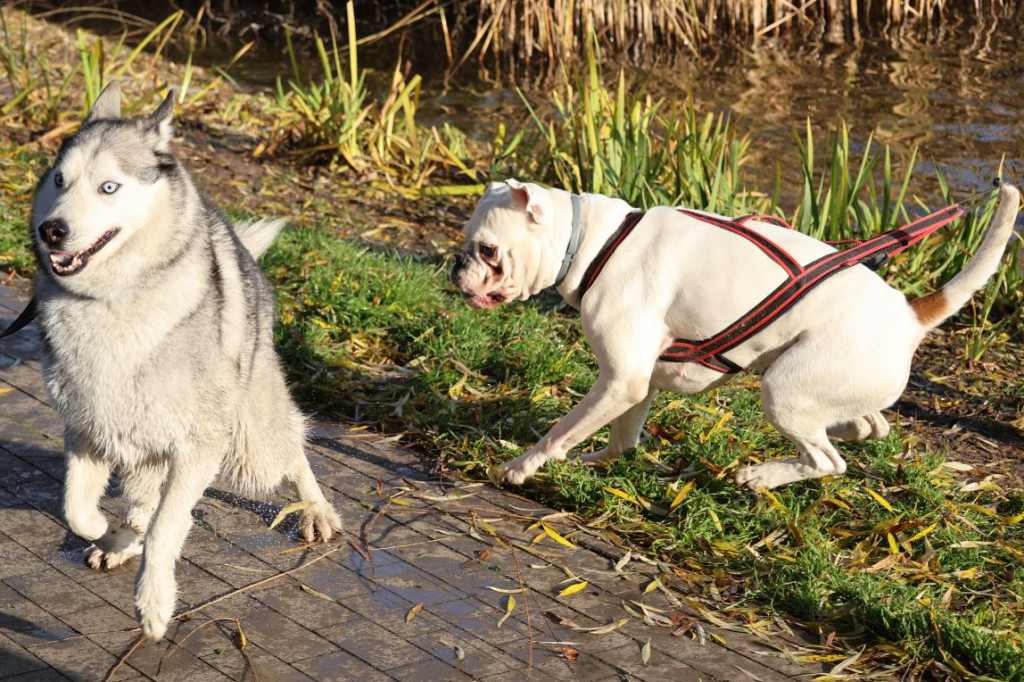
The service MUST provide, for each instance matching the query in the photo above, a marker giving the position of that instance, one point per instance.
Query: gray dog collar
(574, 239)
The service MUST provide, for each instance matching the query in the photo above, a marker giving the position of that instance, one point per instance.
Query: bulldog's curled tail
(257, 236)
(933, 309)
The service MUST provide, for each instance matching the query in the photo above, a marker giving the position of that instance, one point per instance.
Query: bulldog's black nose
(53, 231)
(461, 261)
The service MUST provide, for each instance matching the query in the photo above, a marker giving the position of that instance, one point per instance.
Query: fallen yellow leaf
(288, 509)
(681, 495)
(573, 589)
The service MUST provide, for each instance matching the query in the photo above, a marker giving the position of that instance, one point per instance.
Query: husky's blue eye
(58, 179)
(109, 187)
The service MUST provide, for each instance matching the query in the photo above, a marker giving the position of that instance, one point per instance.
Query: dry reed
(556, 28)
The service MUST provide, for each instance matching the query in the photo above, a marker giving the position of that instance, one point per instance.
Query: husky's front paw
(104, 561)
(154, 604)
(115, 547)
(319, 522)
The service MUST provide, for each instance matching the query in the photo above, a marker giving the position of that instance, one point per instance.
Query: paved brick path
(343, 617)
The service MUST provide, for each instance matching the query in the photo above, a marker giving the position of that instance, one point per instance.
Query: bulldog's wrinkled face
(503, 258)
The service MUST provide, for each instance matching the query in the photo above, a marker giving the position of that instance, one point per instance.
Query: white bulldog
(832, 361)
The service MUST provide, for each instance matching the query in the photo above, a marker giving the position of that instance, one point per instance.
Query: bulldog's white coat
(831, 362)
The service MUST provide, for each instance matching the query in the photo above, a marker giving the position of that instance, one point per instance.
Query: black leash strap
(26, 316)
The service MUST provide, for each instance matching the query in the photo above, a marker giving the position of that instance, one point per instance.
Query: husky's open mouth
(65, 263)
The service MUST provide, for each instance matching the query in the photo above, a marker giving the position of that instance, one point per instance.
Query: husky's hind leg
(84, 485)
(155, 586)
(274, 448)
(320, 521)
(141, 485)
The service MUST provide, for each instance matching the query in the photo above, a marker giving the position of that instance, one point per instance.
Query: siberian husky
(158, 349)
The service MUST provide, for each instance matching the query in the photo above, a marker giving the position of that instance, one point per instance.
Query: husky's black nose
(53, 231)
(462, 259)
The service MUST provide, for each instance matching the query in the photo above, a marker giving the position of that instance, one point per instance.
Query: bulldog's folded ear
(534, 199)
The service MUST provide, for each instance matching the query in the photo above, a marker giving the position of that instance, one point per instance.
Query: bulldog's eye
(109, 187)
(488, 252)
(58, 179)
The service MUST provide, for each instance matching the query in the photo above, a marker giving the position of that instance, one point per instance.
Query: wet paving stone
(165, 662)
(282, 636)
(340, 666)
(16, 660)
(429, 670)
(375, 645)
(462, 652)
(255, 665)
(48, 675)
(310, 608)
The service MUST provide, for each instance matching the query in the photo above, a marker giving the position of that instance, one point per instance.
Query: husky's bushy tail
(257, 236)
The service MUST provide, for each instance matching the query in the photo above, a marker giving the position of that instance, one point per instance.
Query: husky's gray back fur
(157, 326)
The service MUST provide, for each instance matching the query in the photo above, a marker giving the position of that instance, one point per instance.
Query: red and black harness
(800, 279)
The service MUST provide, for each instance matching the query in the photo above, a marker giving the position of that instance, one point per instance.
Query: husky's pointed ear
(107, 105)
(161, 119)
(533, 199)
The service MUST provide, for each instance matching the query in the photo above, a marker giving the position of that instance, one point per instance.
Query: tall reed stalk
(629, 145)
(334, 119)
(556, 29)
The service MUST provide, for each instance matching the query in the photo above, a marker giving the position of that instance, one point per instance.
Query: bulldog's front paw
(154, 604)
(515, 472)
(319, 522)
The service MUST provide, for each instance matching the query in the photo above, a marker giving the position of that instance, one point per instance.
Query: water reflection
(958, 100)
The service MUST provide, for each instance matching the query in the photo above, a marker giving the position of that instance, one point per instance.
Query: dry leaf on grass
(288, 509)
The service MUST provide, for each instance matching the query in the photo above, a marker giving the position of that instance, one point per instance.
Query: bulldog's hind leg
(871, 426)
(818, 457)
(801, 422)
(607, 400)
(625, 432)
(803, 395)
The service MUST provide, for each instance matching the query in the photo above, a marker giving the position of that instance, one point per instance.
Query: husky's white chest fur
(114, 368)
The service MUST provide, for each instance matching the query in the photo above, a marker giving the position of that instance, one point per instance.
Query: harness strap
(26, 316)
(738, 226)
(801, 279)
(597, 265)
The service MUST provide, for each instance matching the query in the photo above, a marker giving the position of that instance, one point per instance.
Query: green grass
(931, 571)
